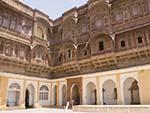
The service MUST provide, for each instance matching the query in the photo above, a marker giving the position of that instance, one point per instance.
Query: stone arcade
(97, 54)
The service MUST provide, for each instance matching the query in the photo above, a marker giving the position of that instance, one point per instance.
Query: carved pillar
(133, 36)
(23, 94)
(51, 95)
(37, 104)
(58, 93)
(147, 36)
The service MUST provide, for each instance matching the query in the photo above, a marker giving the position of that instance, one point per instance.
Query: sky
(54, 8)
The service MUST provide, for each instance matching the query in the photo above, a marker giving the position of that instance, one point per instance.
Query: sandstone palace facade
(96, 54)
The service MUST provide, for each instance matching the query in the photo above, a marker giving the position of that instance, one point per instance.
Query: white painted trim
(19, 76)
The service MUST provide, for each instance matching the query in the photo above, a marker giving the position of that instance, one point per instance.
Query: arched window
(40, 33)
(13, 95)
(12, 23)
(69, 54)
(140, 40)
(44, 93)
(135, 10)
(101, 46)
(6, 21)
(91, 97)
(85, 52)
(109, 93)
(119, 16)
(131, 91)
(123, 43)
(22, 54)
(99, 23)
(14, 86)
(60, 57)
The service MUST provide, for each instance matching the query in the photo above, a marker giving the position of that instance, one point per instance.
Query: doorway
(29, 96)
(75, 95)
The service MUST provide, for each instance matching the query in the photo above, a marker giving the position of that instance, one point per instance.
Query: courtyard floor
(38, 110)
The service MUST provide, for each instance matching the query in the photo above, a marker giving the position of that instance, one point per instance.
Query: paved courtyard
(39, 110)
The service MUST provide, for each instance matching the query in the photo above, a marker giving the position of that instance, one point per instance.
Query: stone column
(98, 90)
(37, 104)
(58, 94)
(22, 97)
(118, 85)
(51, 90)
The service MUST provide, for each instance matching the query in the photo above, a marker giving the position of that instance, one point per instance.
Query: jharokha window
(44, 93)
(6, 21)
(13, 23)
(22, 54)
(40, 33)
(101, 46)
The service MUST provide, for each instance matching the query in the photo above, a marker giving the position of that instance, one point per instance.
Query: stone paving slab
(38, 110)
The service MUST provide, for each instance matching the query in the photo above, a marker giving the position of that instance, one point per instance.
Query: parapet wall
(113, 109)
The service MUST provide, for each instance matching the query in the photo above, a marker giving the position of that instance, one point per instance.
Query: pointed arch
(109, 92)
(131, 91)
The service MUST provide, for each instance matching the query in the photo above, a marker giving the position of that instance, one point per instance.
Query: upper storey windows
(42, 29)
(126, 14)
(68, 28)
(6, 21)
(15, 22)
(128, 11)
(99, 16)
(40, 33)
(82, 25)
(101, 46)
(135, 10)
(119, 16)
(40, 55)
(69, 54)
(123, 44)
(13, 49)
(98, 23)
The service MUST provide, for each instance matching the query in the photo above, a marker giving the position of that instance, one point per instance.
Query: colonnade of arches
(131, 94)
(14, 95)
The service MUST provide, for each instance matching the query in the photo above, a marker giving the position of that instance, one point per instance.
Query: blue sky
(54, 8)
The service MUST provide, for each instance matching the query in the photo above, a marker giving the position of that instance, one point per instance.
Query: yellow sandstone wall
(3, 92)
(144, 83)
